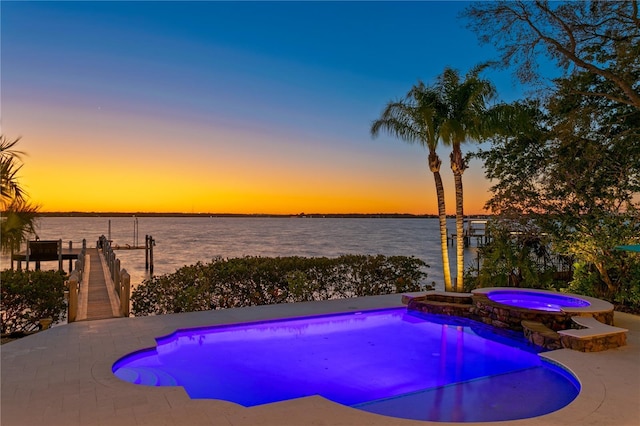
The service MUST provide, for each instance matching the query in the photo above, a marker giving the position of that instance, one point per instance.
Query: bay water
(186, 240)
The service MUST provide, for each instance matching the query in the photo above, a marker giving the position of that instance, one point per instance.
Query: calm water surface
(187, 240)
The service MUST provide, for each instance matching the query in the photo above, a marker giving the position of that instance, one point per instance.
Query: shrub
(248, 281)
(28, 296)
(588, 281)
(522, 259)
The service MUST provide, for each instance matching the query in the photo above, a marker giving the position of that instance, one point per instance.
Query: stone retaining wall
(511, 317)
(540, 335)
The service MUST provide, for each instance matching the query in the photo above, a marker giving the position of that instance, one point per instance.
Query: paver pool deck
(62, 376)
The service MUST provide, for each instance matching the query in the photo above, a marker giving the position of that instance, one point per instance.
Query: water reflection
(187, 240)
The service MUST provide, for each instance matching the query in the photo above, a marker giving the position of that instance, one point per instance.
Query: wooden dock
(69, 254)
(97, 296)
(98, 287)
(474, 229)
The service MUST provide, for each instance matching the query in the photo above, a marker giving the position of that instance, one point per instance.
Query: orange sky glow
(125, 168)
(191, 117)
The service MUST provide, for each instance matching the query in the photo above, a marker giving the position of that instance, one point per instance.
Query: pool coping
(63, 376)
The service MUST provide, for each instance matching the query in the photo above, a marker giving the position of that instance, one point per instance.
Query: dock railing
(120, 277)
(73, 282)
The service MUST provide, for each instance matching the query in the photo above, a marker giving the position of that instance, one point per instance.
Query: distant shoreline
(250, 215)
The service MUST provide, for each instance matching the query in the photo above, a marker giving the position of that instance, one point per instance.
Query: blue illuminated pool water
(541, 301)
(388, 361)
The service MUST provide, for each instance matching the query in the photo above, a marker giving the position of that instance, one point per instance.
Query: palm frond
(6, 147)
(415, 119)
(10, 188)
(17, 224)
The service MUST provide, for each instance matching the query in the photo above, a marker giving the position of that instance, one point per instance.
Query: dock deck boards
(99, 303)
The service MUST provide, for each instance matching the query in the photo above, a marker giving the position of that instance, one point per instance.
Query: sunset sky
(228, 107)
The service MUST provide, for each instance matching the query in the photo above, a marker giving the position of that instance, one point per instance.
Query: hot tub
(508, 307)
(538, 300)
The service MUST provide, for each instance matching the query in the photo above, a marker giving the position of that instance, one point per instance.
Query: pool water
(536, 300)
(389, 362)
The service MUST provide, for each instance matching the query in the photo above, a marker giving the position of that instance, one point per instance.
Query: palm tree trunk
(458, 166)
(444, 243)
(434, 166)
(460, 234)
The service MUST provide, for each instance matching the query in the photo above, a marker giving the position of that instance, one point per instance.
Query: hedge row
(247, 281)
(28, 296)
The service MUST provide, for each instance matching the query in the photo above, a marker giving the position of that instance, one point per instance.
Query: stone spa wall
(511, 317)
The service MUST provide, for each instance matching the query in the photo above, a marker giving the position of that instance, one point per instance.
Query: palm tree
(418, 119)
(466, 103)
(18, 223)
(18, 215)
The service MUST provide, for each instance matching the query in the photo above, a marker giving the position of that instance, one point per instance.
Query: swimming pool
(388, 362)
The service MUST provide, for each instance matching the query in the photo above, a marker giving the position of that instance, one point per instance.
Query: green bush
(248, 281)
(518, 259)
(588, 281)
(28, 296)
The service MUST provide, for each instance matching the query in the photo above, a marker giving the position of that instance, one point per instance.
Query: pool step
(593, 336)
(146, 376)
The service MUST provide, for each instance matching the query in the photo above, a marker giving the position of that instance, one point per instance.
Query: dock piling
(149, 242)
(73, 297)
(116, 276)
(70, 260)
(125, 292)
